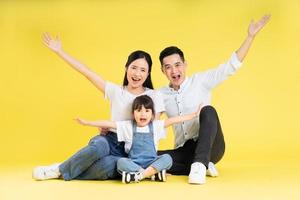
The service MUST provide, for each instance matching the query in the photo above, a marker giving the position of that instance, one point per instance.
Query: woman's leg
(103, 169)
(97, 148)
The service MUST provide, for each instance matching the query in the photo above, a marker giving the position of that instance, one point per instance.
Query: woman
(98, 159)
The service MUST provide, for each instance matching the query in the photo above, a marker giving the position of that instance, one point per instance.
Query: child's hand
(52, 43)
(199, 109)
(81, 121)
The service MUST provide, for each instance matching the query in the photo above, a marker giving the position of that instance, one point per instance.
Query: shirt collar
(183, 84)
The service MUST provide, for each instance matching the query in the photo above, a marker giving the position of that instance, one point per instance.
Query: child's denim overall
(142, 153)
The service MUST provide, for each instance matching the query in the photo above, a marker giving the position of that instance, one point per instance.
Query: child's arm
(99, 123)
(55, 45)
(179, 119)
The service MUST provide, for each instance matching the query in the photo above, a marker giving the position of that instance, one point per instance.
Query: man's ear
(185, 63)
(162, 68)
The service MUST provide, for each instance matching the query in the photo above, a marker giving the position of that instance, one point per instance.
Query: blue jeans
(97, 160)
(159, 163)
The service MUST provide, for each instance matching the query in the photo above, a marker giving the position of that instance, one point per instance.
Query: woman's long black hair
(137, 55)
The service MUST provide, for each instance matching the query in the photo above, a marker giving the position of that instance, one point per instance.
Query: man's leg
(182, 158)
(218, 147)
(210, 144)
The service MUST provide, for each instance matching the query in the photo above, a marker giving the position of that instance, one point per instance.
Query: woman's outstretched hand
(255, 27)
(52, 43)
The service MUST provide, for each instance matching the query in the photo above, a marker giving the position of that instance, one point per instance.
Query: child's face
(142, 116)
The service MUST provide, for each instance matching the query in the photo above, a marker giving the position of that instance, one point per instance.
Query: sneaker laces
(195, 168)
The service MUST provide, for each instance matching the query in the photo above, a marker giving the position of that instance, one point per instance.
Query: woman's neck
(135, 91)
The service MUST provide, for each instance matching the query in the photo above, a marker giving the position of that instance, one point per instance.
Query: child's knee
(121, 163)
(167, 158)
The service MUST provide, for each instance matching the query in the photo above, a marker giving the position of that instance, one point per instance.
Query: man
(199, 143)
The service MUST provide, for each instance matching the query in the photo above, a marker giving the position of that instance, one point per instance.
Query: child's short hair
(143, 100)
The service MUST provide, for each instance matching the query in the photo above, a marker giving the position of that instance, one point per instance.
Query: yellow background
(40, 94)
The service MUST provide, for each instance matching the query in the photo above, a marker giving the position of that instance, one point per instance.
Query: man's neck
(175, 87)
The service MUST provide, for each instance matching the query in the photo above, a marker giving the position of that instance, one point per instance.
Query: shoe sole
(163, 177)
(196, 182)
(124, 177)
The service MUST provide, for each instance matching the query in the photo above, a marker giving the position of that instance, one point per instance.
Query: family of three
(127, 145)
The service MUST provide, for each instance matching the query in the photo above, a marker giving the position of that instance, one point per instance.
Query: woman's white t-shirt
(121, 101)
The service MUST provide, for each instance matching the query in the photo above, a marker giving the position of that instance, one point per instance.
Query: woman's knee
(100, 145)
(104, 168)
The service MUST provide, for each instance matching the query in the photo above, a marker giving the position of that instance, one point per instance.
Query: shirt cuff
(235, 62)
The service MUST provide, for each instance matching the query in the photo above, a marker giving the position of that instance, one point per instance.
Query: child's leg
(162, 162)
(149, 171)
(131, 172)
(127, 165)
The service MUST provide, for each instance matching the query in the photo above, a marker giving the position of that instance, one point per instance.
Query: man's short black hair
(170, 51)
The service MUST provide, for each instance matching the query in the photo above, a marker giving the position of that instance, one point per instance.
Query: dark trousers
(209, 147)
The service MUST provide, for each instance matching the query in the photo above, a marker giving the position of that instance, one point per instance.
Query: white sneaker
(212, 170)
(197, 173)
(46, 172)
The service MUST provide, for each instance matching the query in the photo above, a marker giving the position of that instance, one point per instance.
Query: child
(141, 136)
